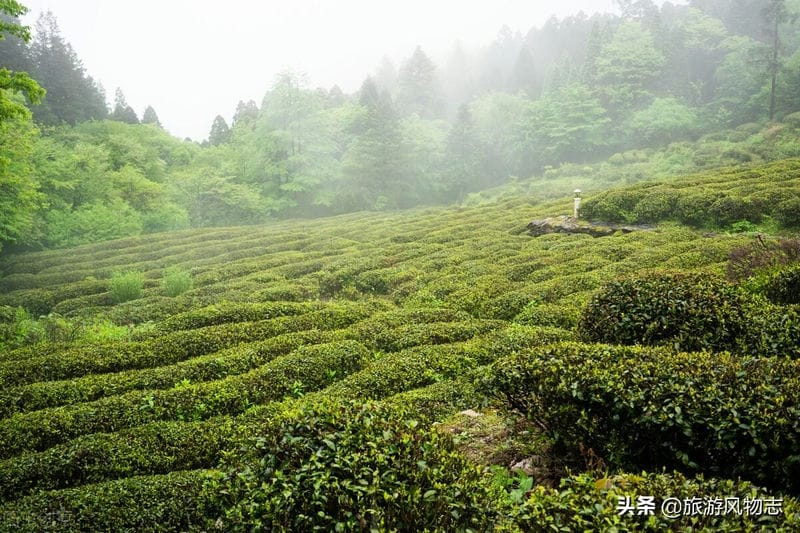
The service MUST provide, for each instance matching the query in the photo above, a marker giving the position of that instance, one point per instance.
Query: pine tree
(418, 87)
(373, 164)
(523, 76)
(122, 111)
(13, 52)
(72, 96)
(150, 116)
(220, 132)
(775, 14)
(464, 157)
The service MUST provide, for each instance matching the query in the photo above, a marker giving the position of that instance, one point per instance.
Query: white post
(577, 203)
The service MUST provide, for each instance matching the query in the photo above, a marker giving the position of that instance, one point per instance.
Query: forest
(378, 310)
(578, 91)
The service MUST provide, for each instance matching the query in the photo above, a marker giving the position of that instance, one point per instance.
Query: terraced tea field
(303, 320)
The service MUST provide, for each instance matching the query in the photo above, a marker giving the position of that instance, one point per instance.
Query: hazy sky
(194, 59)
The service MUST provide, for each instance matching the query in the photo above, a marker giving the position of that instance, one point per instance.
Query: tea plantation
(310, 374)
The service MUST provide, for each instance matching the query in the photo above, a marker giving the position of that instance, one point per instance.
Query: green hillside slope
(312, 373)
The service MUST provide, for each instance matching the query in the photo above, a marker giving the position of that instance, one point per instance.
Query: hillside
(313, 373)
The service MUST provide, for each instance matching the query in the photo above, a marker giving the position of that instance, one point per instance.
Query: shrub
(228, 312)
(439, 399)
(513, 338)
(350, 466)
(397, 372)
(783, 286)
(692, 208)
(761, 254)
(655, 206)
(788, 213)
(169, 348)
(126, 286)
(406, 336)
(727, 209)
(586, 502)
(217, 365)
(612, 206)
(171, 502)
(686, 311)
(646, 408)
(156, 448)
(773, 330)
(306, 369)
(548, 314)
(17, 328)
(176, 281)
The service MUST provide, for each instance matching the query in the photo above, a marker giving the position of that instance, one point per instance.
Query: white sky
(194, 59)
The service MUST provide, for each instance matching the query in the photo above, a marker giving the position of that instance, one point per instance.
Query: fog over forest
(416, 128)
(194, 60)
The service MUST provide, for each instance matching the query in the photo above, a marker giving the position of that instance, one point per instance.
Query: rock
(529, 466)
(470, 413)
(571, 225)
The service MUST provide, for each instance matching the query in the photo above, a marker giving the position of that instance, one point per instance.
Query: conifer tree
(122, 111)
(72, 95)
(220, 132)
(150, 116)
(418, 87)
(524, 76)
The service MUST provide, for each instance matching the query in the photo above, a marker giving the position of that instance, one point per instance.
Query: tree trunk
(774, 71)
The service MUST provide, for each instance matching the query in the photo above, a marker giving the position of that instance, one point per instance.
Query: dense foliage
(580, 93)
(351, 467)
(648, 408)
(288, 329)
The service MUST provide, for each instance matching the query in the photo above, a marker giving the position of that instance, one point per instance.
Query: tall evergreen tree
(122, 111)
(524, 76)
(13, 50)
(150, 116)
(374, 160)
(465, 157)
(418, 87)
(72, 95)
(386, 76)
(220, 132)
(775, 13)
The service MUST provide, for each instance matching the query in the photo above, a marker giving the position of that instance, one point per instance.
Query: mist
(192, 60)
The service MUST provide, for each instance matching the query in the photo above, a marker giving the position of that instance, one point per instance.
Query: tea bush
(217, 365)
(170, 348)
(647, 408)
(783, 286)
(151, 449)
(170, 502)
(350, 466)
(401, 371)
(417, 334)
(228, 312)
(307, 368)
(438, 400)
(587, 502)
(686, 311)
(548, 315)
